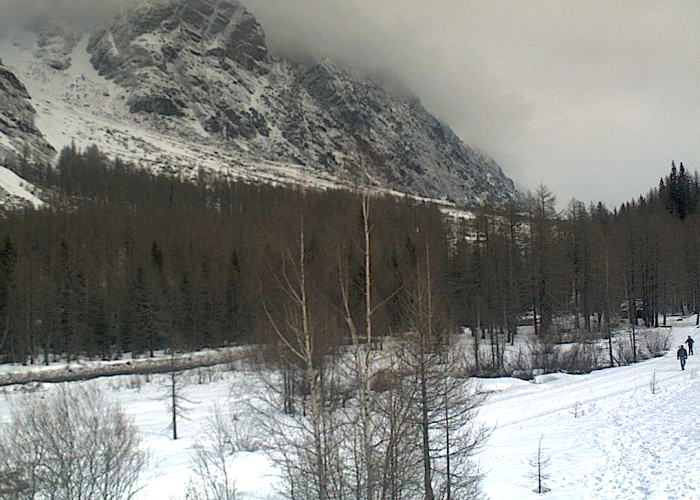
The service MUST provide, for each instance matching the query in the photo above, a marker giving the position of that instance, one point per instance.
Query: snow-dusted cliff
(18, 131)
(184, 84)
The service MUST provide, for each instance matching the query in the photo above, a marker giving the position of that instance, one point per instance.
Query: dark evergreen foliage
(122, 260)
(126, 261)
(679, 192)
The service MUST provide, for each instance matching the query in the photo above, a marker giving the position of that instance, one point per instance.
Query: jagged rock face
(397, 142)
(17, 119)
(166, 52)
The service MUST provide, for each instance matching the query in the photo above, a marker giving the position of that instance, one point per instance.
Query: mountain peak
(199, 73)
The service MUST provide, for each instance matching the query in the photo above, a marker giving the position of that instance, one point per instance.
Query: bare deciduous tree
(296, 332)
(211, 461)
(443, 406)
(173, 396)
(72, 444)
(363, 355)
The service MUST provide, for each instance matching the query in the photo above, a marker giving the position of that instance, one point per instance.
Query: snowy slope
(13, 187)
(607, 436)
(78, 105)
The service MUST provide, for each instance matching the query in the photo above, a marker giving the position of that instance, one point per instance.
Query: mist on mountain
(38, 14)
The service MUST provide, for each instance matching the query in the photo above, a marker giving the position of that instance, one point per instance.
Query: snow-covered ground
(606, 434)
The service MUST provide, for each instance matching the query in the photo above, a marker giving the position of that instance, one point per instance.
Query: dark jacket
(682, 353)
(690, 342)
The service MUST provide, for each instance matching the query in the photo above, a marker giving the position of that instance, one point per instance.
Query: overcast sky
(35, 13)
(592, 98)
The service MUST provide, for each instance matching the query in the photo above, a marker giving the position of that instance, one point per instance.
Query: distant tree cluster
(678, 192)
(126, 261)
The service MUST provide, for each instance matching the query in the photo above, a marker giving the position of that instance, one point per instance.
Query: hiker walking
(682, 355)
(690, 343)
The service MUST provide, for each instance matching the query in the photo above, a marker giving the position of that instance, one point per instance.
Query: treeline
(125, 261)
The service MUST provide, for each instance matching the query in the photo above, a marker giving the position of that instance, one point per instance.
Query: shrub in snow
(653, 383)
(212, 460)
(577, 410)
(582, 358)
(544, 352)
(655, 343)
(624, 355)
(71, 444)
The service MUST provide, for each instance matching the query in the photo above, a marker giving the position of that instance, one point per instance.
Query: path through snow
(606, 435)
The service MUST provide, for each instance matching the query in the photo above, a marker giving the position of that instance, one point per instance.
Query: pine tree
(8, 259)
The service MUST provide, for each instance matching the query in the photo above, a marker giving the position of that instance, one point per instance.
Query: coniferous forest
(124, 261)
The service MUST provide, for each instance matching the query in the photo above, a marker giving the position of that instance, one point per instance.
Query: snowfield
(607, 436)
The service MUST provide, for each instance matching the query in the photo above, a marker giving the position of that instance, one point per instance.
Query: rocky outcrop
(17, 120)
(164, 52)
(396, 142)
(55, 46)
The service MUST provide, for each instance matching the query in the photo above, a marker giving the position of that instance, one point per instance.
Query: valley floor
(606, 434)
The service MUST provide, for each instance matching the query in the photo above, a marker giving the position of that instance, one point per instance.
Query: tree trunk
(367, 373)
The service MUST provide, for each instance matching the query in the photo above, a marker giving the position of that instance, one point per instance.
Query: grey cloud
(38, 13)
(592, 98)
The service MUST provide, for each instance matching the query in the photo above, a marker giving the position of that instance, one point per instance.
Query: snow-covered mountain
(184, 84)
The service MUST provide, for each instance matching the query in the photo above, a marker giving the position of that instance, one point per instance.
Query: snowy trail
(606, 434)
(556, 393)
(650, 448)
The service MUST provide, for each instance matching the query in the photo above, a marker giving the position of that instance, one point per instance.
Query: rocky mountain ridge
(18, 129)
(191, 84)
